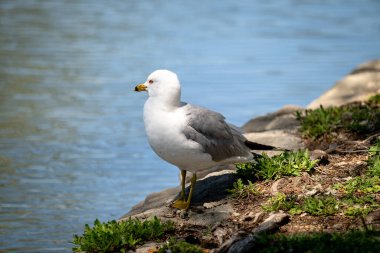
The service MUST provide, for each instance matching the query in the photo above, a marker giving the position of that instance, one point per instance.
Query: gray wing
(217, 138)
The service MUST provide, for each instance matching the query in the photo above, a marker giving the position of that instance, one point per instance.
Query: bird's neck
(167, 102)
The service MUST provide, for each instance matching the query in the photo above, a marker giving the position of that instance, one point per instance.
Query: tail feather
(257, 146)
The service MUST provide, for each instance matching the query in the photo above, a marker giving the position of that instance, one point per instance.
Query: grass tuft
(374, 160)
(243, 191)
(316, 205)
(285, 164)
(358, 118)
(122, 236)
(375, 99)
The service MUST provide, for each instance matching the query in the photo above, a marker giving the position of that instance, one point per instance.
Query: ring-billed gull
(191, 137)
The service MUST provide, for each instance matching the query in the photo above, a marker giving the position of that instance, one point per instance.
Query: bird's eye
(150, 81)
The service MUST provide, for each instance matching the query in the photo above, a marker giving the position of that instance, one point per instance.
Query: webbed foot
(181, 204)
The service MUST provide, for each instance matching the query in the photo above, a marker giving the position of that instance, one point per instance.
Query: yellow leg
(183, 179)
(181, 203)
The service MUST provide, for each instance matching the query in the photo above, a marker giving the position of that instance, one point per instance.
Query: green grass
(374, 160)
(285, 164)
(315, 205)
(320, 205)
(375, 99)
(356, 118)
(282, 202)
(122, 236)
(352, 241)
(175, 246)
(243, 191)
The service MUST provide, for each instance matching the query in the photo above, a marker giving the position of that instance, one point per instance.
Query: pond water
(72, 143)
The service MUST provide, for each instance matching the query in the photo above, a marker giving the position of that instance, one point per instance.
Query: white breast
(164, 131)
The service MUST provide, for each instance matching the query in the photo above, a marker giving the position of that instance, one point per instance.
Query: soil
(344, 156)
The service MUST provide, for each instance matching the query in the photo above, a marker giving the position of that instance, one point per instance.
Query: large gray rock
(278, 129)
(361, 83)
(212, 188)
(283, 119)
(278, 138)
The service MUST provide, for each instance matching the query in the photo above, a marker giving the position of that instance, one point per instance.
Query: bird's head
(163, 84)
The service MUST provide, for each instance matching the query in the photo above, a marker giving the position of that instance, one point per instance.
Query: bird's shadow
(211, 189)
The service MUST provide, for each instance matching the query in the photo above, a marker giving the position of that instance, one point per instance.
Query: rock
(274, 188)
(281, 119)
(360, 84)
(210, 189)
(272, 223)
(240, 243)
(207, 189)
(277, 138)
(220, 233)
(373, 218)
(320, 155)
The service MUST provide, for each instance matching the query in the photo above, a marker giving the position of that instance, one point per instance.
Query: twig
(352, 151)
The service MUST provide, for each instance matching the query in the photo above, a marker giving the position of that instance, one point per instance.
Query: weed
(374, 160)
(356, 211)
(120, 236)
(352, 241)
(317, 205)
(356, 117)
(282, 202)
(242, 191)
(358, 185)
(175, 246)
(375, 99)
(285, 164)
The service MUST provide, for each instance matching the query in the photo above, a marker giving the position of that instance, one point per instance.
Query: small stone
(258, 217)
(183, 214)
(220, 233)
(338, 226)
(235, 214)
(373, 217)
(274, 188)
(341, 164)
(248, 217)
(311, 192)
(320, 155)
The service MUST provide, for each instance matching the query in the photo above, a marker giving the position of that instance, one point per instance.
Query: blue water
(72, 143)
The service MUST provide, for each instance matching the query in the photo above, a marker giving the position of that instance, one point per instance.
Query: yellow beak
(140, 87)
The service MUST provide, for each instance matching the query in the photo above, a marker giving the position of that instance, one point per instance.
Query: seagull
(188, 136)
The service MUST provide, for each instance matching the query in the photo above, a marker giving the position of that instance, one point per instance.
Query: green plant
(316, 122)
(317, 205)
(175, 246)
(355, 117)
(358, 185)
(374, 160)
(352, 241)
(285, 164)
(121, 236)
(282, 202)
(241, 190)
(375, 99)
(356, 211)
